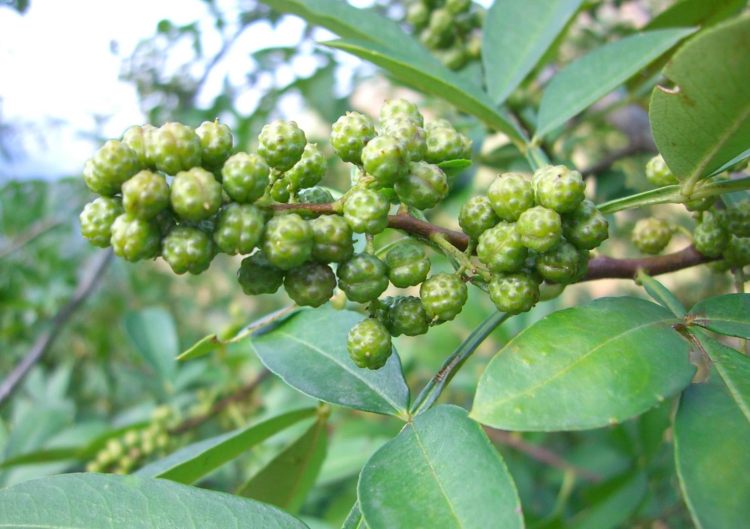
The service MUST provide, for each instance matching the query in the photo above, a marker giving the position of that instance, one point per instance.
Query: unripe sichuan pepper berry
(406, 315)
(737, 252)
(281, 190)
(97, 218)
(309, 170)
(146, 194)
(110, 167)
(134, 239)
(500, 248)
(188, 249)
(709, 237)
(349, 134)
(216, 142)
(332, 239)
(258, 276)
(245, 177)
(369, 344)
(195, 194)
(174, 147)
(540, 228)
(514, 293)
(423, 187)
(407, 265)
(314, 195)
(651, 235)
(366, 211)
(586, 227)
(363, 278)
(239, 228)
(400, 109)
(410, 134)
(443, 296)
(138, 138)
(446, 144)
(385, 159)
(510, 195)
(281, 144)
(311, 284)
(477, 216)
(658, 173)
(288, 241)
(561, 264)
(737, 219)
(559, 188)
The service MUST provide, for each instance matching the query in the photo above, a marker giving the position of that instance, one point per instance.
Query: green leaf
(711, 436)
(200, 348)
(661, 294)
(154, 335)
(287, 479)
(517, 33)
(308, 351)
(454, 165)
(434, 79)
(612, 503)
(728, 314)
(441, 471)
(704, 121)
(686, 13)
(594, 75)
(99, 501)
(727, 166)
(194, 461)
(354, 520)
(585, 367)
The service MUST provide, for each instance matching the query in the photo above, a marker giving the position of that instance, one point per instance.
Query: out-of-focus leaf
(686, 13)
(154, 335)
(611, 504)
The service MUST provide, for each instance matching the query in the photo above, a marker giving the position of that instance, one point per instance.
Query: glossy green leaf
(731, 163)
(454, 165)
(585, 367)
(354, 520)
(594, 75)
(440, 471)
(686, 13)
(611, 504)
(517, 33)
(661, 294)
(200, 348)
(105, 501)
(711, 437)
(196, 460)
(702, 120)
(728, 314)
(289, 476)
(433, 79)
(308, 351)
(154, 335)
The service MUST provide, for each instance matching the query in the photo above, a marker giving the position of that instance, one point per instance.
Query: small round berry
(138, 138)
(651, 235)
(477, 216)
(216, 142)
(188, 249)
(410, 134)
(406, 315)
(737, 252)
(309, 170)
(314, 195)
(288, 241)
(407, 265)
(146, 194)
(441, 21)
(709, 237)
(245, 177)
(424, 187)
(540, 228)
(112, 165)
(561, 264)
(658, 173)
(418, 15)
(737, 219)
(586, 227)
(559, 188)
(454, 57)
(443, 296)
(445, 143)
(385, 158)
(400, 109)
(332, 239)
(510, 195)
(514, 293)
(281, 144)
(195, 194)
(281, 190)
(134, 239)
(174, 147)
(363, 277)
(97, 218)
(474, 47)
(435, 40)
(366, 211)
(239, 228)
(501, 249)
(258, 276)
(369, 344)
(349, 134)
(457, 6)
(699, 204)
(311, 284)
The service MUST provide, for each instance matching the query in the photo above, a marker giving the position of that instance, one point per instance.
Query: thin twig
(35, 230)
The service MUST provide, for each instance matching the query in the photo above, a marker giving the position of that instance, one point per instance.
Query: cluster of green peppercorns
(450, 28)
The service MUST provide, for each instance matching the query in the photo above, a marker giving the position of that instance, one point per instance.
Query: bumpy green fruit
(510, 195)
(454, 57)
(477, 216)
(110, 167)
(410, 134)
(311, 284)
(441, 21)
(559, 188)
(561, 264)
(406, 315)
(288, 241)
(446, 144)
(369, 344)
(366, 211)
(363, 278)
(540, 228)
(349, 134)
(651, 235)
(245, 177)
(258, 276)
(385, 158)
(514, 293)
(658, 173)
(443, 296)
(423, 187)
(407, 265)
(400, 109)
(97, 218)
(216, 142)
(195, 194)
(239, 228)
(146, 194)
(418, 15)
(314, 195)
(709, 237)
(309, 170)
(281, 144)
(138, 138)
(737, 219)
(586, 227)
(737, 252)
(332, 239)
(281, 190)
(174, 147)
(501, 249)
(188, 249)
(134, 239)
